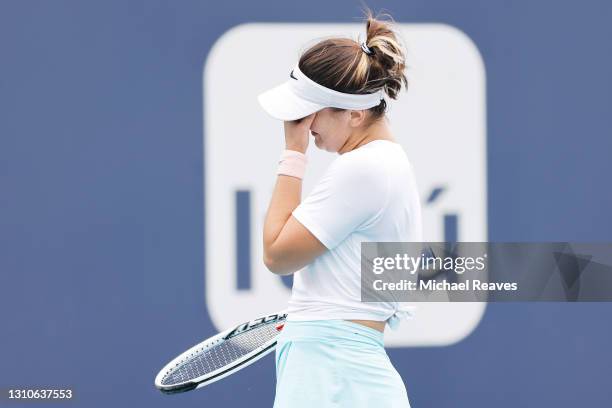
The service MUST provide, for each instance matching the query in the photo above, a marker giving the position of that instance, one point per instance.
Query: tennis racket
(221, 355)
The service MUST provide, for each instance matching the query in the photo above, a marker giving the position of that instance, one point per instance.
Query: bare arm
(288, 245)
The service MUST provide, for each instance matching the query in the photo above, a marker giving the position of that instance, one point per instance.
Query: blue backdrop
(101, 240)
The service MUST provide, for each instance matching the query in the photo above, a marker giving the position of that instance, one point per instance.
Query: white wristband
(292, 163)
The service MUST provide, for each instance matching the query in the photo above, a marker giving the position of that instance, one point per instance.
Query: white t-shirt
(367, 194)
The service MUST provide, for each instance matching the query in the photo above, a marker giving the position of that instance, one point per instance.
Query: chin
(323, 146)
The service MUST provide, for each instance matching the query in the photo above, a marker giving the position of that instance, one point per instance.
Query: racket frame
(224, 371)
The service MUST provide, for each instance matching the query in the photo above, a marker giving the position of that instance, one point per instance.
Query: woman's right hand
(297, 133)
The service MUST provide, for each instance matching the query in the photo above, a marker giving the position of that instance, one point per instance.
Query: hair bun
(359, 67)
(388, 57)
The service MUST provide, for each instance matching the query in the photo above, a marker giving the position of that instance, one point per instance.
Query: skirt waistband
(332, 329)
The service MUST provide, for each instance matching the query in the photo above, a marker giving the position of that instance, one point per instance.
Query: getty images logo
(440, 122)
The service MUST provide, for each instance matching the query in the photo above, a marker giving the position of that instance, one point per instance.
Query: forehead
(327, 117)
(326, 112)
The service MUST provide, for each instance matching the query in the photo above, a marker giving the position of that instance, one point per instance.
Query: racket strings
(212, 357)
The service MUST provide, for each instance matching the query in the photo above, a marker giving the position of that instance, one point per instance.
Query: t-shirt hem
(302, 316)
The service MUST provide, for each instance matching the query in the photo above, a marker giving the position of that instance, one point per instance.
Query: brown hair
(341, 64)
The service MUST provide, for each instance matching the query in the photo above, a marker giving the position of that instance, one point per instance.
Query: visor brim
(281, 103)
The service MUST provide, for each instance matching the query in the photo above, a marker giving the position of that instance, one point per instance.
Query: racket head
(221, 355)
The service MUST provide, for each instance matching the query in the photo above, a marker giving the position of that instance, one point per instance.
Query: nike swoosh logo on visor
(291, 75)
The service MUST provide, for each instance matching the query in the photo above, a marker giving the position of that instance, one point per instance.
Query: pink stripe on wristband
(292, 163)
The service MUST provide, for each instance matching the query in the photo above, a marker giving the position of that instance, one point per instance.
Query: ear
(357, 117)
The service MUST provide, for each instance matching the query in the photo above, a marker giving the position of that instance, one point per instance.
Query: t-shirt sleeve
(350, 196)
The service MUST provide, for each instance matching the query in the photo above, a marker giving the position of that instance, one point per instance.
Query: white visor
(300, 96)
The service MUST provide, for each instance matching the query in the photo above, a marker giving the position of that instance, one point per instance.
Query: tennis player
(331, 350)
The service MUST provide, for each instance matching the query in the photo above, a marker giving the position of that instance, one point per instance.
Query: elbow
(271, 265)
(275, 264)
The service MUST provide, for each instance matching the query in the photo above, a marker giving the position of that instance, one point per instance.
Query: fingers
(307, 119)
(310, 117)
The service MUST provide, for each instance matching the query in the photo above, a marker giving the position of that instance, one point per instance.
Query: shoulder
(364, 165)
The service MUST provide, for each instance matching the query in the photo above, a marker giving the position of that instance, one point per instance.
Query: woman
(331, 350)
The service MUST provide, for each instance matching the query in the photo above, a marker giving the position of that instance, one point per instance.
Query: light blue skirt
(335, 363)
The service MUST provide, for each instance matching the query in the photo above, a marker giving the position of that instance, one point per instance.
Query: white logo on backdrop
(440, 122)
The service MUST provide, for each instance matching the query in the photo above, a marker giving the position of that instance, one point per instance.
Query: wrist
(296, 148)
(292, 163)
